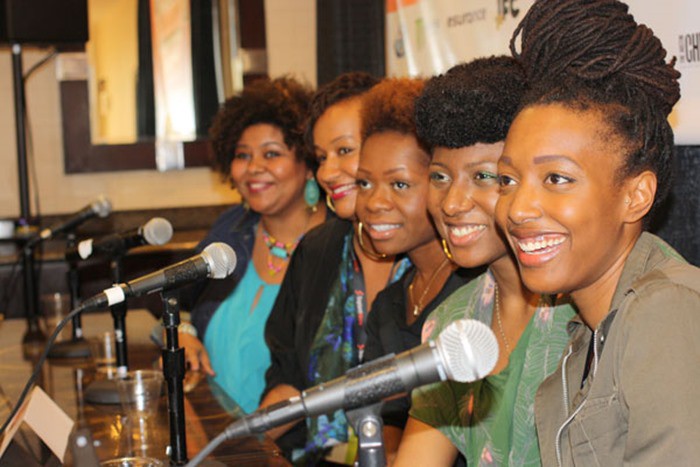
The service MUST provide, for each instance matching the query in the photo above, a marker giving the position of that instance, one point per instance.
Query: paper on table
(13, 426)
(47, 420)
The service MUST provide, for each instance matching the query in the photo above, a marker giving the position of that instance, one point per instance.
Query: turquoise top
(235, 339)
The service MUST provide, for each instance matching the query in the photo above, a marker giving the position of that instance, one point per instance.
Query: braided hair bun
(592, 54)
(593, 40)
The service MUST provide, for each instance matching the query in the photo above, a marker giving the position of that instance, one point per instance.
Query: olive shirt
(491, 421)
(640, 403)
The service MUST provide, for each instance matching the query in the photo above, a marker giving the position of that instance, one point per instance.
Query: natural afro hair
(593, 55)
(471, 103)
(346, 86)
(390, 106)
(282, 102)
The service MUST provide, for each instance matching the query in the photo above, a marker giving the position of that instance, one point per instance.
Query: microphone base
(34, 334)
(77, 348)
(102, 392)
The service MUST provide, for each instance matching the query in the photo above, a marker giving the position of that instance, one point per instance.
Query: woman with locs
(587, 163)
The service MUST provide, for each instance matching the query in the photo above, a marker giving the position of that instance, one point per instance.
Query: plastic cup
(55, 307)
(140, 394)
(104, 353)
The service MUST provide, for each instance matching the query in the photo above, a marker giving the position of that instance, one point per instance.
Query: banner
(427, 37)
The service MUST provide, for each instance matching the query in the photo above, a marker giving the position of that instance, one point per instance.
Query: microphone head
(157, 231)
(221, 259)
(469, 350)
(101, 206)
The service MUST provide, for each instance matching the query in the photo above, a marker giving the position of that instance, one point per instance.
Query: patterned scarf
(339, 344)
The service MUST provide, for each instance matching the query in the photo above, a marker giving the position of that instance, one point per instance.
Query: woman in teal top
(234, 339)
(258, 139)
(464, 116)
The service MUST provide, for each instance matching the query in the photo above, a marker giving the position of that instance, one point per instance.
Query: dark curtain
(203, 74)
(679, 219)
(145, 100)
(349, 37)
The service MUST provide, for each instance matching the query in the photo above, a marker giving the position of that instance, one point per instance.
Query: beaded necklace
(277, 249)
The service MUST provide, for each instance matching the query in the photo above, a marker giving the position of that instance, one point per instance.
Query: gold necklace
(497, 312)
(418, 306)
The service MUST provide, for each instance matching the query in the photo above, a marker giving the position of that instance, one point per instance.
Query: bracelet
(187, 328)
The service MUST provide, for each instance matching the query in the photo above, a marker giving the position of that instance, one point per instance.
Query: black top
(298, 311)
(387, 331)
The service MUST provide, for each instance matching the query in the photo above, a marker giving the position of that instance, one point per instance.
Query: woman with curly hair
(464, 116)
(586, 163)
(393, 183)
(258, 141)
(317, 326)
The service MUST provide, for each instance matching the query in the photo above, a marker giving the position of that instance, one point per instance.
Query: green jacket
(640, 404)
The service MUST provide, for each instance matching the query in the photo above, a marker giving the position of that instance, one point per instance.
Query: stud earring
(311, 194)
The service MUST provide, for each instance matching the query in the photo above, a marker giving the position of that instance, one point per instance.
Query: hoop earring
(371, 254)
(329, 202)
(446, 249)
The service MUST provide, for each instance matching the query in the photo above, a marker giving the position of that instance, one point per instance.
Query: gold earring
(329, 202)
(446, 249)
(371, 254)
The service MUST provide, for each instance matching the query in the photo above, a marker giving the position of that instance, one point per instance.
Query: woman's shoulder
(230, 225)
(332, 232)
(656, 269)
(461, 304)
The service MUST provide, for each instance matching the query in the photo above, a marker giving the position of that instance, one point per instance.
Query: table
(207, 408)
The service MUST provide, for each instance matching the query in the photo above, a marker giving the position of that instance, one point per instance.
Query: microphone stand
(77, 347)
(118, 316)
(368, 425)
(33, 334)
(105, 391)
(174, 373)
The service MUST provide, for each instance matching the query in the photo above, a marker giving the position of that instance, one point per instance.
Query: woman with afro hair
(393, 185)
(316, 329)
(586, 163)
(258, 141)
(464, 116)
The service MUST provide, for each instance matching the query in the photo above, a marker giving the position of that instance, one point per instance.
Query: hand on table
(196, 356)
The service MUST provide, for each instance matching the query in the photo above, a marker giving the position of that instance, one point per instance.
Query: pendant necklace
(418, 306)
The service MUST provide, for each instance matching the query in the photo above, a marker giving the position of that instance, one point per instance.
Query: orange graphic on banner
(393, 5)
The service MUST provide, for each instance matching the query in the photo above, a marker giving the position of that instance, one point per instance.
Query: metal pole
(31, 300)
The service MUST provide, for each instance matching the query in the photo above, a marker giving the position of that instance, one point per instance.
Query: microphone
(101, 207)
(217, 261)
(157, 231)
(465, 351)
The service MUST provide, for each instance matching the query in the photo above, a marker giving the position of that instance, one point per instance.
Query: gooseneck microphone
(101, 207)
(157, 231)
(217, 261)
(465, 351)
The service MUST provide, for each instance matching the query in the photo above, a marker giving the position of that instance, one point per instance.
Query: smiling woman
(587, 163)
(257, 136)
(393, 185)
